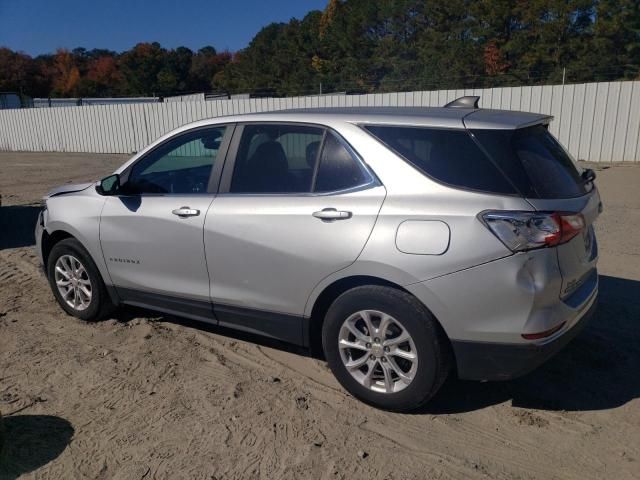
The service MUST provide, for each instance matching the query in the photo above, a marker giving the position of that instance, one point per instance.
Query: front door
(296, 207)
(151, 234)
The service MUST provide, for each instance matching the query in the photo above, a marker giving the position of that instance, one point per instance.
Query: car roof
(439, 117)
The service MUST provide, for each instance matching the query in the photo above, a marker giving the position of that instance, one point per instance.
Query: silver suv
(405, 243)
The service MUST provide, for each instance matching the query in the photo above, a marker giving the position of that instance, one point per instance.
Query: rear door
(550, 180)
(295, 206)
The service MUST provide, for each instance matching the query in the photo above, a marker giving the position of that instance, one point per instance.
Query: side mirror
(212, 142)
(588, 175)
(109, 185)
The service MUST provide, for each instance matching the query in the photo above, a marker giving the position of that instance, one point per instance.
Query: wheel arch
(49, 240)
(332, 291)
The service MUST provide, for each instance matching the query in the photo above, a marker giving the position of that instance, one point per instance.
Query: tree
(141, 66)
(494, 61)
(616, 38)
(177, 67)
(278, 60)
(65, 74)
(205, 65)
(103, 78)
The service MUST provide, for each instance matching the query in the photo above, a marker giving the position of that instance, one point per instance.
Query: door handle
(330, 214)
(185, 212)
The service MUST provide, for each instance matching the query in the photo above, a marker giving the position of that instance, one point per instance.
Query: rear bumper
(496, 361)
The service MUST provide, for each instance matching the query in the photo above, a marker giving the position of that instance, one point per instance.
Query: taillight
(521, 231)
(545, 334)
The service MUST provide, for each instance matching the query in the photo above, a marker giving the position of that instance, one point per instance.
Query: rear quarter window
(338, 169)
(448, 156)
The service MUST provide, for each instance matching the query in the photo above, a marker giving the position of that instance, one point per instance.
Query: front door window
(183, 165)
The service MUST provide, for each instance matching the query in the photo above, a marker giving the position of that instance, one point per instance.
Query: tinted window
(338, 169)
(449, 156)
(276, 159)
(182, 165)
(535, 161)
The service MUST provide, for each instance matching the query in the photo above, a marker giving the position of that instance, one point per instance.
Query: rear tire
(76, 282)
(1, 439)
(385, 347)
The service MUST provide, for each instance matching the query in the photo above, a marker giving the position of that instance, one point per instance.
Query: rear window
(448, 156)
(534, 161)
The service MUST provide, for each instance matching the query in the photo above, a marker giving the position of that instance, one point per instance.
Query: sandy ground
(147, 396)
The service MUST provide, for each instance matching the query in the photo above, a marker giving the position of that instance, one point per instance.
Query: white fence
(192, 97)
(598, 122)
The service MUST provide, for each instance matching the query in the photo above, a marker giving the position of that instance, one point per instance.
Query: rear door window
(448, 156)
(276, 159)
(535, 161)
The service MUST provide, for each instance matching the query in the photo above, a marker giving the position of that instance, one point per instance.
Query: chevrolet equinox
(405, 243)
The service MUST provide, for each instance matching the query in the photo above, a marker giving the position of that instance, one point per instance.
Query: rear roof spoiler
(464, 102)
(504, 119)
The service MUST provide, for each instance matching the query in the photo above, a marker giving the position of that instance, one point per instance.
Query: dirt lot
(146, 396)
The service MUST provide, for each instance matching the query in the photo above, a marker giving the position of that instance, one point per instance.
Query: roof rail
(464, 102)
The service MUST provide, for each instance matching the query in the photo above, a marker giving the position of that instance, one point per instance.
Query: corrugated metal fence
(598, 122)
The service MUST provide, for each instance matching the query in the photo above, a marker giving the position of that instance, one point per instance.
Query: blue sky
(42, 26)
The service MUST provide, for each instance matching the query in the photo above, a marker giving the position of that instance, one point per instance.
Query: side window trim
(214, 177)
(218, 167)
(232, 155)
(316, 165)
(230, 160)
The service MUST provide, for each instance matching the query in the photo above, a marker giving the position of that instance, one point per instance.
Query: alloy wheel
(378, 351)
(73, 283)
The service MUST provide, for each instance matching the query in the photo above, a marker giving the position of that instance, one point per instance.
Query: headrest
(269, 157)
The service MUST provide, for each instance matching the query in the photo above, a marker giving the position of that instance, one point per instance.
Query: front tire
(76, 282)
(385, 347)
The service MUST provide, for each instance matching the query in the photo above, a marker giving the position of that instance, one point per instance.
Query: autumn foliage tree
(20, 73)
(494, 61)
(104, 77)
(65, 74)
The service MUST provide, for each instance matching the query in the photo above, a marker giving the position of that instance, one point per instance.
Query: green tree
(205, 65)
(615, 44)
(141, 66)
